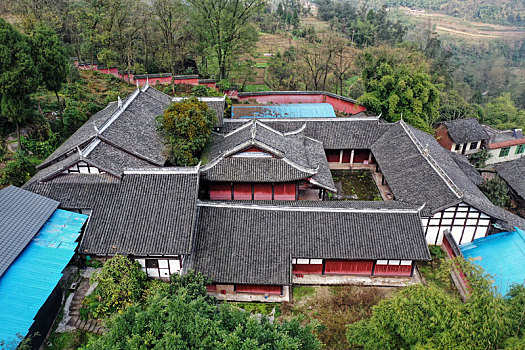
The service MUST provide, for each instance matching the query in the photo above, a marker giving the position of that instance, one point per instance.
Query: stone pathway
(72, 320)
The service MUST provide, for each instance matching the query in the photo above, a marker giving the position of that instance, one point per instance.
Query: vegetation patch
(355, 185)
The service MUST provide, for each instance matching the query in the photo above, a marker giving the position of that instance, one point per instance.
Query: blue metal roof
(292, 110)
(31, 278)
(501, 255)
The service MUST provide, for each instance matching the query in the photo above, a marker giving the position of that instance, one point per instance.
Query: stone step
(74, 313)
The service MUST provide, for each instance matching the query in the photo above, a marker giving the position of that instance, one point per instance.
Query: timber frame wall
(465, 223)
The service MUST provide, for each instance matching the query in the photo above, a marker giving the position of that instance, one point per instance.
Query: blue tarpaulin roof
(292, 110)
(31, 278)
(501, 255)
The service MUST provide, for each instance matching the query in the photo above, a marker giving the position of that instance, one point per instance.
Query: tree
(496, 190)
(52, 60)
(186, 127)
(502, 113)
(173, 20)
(17, 171)
(183, 317)
(120, 283)
(426, 317)
(396, 87)
(281, 71)
(18, 75)
(224, 25)
(452, 106)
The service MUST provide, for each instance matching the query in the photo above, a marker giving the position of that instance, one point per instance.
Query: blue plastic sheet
(292, 110)
(31, 278)
(501, 255)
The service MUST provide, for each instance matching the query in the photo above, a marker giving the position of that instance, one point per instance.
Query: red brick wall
(442, 137)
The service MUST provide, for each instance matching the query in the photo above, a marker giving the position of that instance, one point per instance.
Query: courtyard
(356, 185)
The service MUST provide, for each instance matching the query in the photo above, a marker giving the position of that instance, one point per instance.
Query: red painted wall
(360, 155)
(307, 269)
(284, 192)
(344, 106)
(253, 288)
(220, 191)
(443, 138)
(348, 267)
(337, 103)
(262, 192)
(346, 155)
(242, 191)
(393, 270)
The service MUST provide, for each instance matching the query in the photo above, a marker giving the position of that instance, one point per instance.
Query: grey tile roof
(296, 157)
(513, 174)
(467, 168)
(334, 133)
(419, 170)
(242, 243)
(83, 135)
(254, 170)
(22, 215)
(114, 160)
(465, 130)
(150, 213)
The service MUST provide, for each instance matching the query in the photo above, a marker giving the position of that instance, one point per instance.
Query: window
(504, 152)
(458, 146)
(152, 264)
(473, 145)
(520, 149)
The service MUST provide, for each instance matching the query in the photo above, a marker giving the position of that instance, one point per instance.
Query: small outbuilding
(463, 136)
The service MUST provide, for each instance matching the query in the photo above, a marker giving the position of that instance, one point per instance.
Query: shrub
(496, 190)
(17, 171)
(120, 284)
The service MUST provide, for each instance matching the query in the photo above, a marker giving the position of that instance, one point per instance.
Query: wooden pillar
(369, 156)
(340, 156)
(351, 157)
(382, 179)
(377, 167)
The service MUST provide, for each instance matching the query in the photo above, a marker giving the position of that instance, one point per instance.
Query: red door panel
(220, 191)
(307, 269)
(348, 267)
(393, 270)
(332, 155)
(360, 155)
(284, 192)
(262, 192)
(253, 288)
(242, 191)
(346, 155)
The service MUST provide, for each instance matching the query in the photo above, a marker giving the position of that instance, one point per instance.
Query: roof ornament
(96, 129)
(79, 152)
(136, 81)
(254, 130)
(401, 120)
(119, 103)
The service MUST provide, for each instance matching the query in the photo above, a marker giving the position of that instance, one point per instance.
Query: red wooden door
(284, 192)
(258, 289)
(242, 191)
(307, 269)
(220, 191)
(332, 155)
(348, 267)
(346, 155)
(360, 155)
(262, 192)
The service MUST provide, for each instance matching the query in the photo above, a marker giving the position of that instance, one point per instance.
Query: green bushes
(120, 284)
(17, 171)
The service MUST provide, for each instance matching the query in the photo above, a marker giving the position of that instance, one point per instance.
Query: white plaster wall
(495, 158)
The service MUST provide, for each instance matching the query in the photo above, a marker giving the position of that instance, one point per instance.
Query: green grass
(68, 340)
(356, 185)
(256, 88)
(260, 308)
(302, 292)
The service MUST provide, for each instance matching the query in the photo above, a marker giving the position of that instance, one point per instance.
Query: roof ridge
(277, 207)
(426, 155)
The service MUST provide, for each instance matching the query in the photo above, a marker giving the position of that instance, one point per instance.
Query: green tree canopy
(503, 114)
(186, 127)
(181, 316)
(427, 317)
(397, 87)
(496, 190)
(51, 58)
(120, 283)
(18, 74)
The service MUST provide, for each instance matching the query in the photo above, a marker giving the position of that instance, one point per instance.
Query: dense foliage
(426, 317)
(181, 316)
(398, 90)
(186, 127)
(17, 171)
(496, 190)
(120, 284)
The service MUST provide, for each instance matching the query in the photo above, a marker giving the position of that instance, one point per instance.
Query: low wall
(372, 281)
(339, 103)
(250, 297)
(452, 251)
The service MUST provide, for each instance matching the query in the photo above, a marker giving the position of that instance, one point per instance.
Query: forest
(387, 60)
